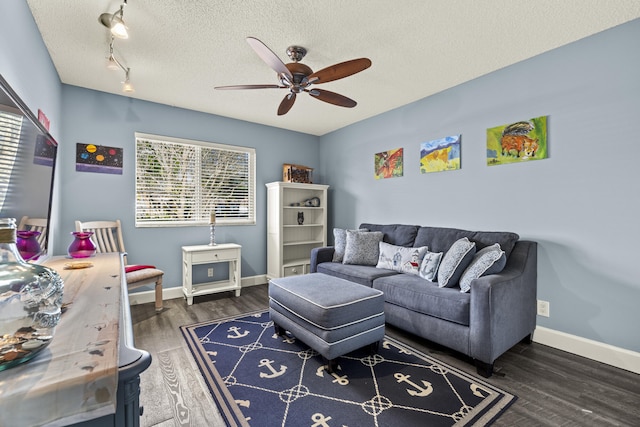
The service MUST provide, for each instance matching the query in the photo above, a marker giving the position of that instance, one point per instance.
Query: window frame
(220, 218)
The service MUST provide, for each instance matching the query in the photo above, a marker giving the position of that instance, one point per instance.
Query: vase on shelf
(27, 244)
(30, 302)
(82, 245)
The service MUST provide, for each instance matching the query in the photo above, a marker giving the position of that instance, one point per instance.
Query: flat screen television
(27, 162)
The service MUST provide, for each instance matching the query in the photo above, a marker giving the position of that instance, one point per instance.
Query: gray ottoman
(331, 315)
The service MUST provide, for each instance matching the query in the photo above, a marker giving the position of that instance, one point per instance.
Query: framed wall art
(517, 142)
(99, 159)
(440, 154)
(388, 164)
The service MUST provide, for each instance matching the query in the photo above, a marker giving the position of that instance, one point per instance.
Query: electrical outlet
(210, 272)
(543, 308)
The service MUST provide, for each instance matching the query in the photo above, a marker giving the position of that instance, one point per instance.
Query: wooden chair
(35, 224)
(108, 238)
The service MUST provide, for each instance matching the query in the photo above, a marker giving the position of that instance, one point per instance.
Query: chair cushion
(130, 268)
(144, 274)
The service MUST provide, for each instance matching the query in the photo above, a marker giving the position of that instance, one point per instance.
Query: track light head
(127, 87)
(115, 23)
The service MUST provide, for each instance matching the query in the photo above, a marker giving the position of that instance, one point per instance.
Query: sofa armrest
(320, 255)
(503, 305)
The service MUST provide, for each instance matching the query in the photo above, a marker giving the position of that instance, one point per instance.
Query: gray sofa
(498, 312)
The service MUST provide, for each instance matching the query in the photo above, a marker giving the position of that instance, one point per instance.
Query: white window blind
(180, 182)
(10, 129)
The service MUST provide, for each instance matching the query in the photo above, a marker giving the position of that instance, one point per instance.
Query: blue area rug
(260, 379)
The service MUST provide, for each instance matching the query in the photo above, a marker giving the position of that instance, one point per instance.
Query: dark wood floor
(554, 388)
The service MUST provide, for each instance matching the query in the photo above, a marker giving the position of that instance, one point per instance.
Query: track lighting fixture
(114, 64)
(126, 85)
(115, 23)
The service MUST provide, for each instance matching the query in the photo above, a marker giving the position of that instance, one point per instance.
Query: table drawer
(294, 270)
(214, 256)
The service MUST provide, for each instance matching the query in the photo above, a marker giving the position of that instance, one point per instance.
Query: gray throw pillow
(488, 260)
(400, 258)
(455, 261)
(340, 242)
(430, 264)
(362, 248)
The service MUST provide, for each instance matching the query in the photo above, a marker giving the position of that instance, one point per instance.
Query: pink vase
(27, 243)
(82, 246)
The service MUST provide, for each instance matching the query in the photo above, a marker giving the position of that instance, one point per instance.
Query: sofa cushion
(416, 294)
(440, 239)
(340, 242)
(400, 259)
(429, 265)
(489, 260)
(362, 248)
(395, 234)
(455, 261)
(361, 274)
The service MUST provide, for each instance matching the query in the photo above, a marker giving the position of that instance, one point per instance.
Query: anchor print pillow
(429, 265)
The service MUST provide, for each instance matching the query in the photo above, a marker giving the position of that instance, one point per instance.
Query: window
(10, 130)
(180, 182)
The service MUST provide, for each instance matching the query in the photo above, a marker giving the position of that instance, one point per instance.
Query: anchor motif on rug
(421, 392)
(478, 391)
(237, 335)
(342, 380)
(320, 420)
(274, 373)
(387, 345)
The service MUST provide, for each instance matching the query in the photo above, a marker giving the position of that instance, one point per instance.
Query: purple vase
(27, 243)
(82, 246)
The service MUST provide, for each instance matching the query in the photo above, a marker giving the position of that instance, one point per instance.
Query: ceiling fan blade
(286, 104)
(332, 98)
(269, 57)
(249, 87)
(339, 71)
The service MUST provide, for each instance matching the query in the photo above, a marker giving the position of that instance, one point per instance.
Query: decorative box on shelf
(296, 173)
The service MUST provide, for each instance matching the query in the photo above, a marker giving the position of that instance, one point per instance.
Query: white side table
(206, 254)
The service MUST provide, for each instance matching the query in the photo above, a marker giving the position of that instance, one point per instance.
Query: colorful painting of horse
(517, 142)
(440, 154)
(388, 164)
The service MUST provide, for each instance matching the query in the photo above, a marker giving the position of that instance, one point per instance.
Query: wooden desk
(86, 373)
(206, 254)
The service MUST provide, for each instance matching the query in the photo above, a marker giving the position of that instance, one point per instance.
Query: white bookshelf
(289, 244)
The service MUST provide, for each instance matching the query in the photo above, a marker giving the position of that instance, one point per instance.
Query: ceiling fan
(298, 78)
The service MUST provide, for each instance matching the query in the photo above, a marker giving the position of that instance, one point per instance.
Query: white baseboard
(605, 353)
(145, 297)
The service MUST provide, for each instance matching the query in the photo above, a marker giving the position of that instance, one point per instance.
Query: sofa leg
(279, 330)
(332, 365)
(374, 347)
(528, 339)
(484, 369)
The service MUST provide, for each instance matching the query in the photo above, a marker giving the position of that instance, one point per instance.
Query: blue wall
(103, 119)
(581, 204)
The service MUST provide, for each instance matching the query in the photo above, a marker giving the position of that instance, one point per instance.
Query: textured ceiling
(179, 50)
